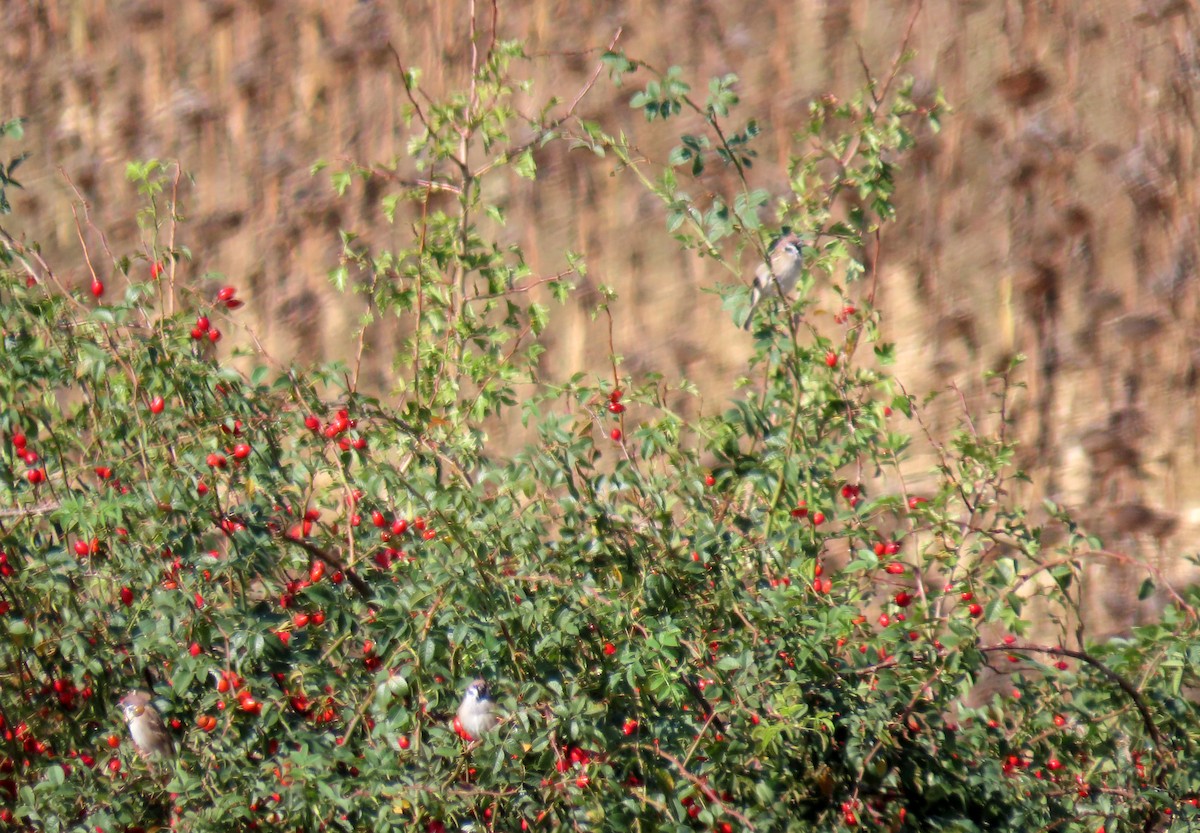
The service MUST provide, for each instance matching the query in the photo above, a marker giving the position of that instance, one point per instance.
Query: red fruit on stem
(225, 293)
(97, 288)
(157, 404)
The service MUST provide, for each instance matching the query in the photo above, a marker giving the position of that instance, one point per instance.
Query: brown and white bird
(779, 276)
(146, 726)
(476, 713)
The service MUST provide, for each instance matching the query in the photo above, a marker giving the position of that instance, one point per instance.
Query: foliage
(730, 623)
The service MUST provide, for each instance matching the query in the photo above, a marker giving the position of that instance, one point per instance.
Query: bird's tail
(755, 297)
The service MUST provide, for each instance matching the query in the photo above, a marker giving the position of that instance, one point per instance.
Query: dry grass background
(1056, 215)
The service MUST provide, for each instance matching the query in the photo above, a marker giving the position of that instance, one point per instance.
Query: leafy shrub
(729, 623)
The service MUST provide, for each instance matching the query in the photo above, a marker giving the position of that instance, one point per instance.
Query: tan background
(1056, 215)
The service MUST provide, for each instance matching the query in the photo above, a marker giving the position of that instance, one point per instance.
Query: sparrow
(779, 275)
(476, 713)
(146, 727)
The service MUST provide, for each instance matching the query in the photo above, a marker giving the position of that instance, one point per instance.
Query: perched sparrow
(477, 712)
(146, 727)
(778, 276)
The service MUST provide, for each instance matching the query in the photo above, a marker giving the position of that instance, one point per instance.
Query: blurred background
(1055, 216)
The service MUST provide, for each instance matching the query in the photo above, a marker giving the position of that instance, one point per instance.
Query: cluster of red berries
(336, 428)
(205, 329)
(852, 493)
(616, 407)
(35, 474)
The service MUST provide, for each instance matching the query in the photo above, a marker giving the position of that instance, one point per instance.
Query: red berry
(312, 423)
(377, 519)
(903, 599)
(194, 649)
(316, 571)
(831, 359)
(818, 518)
(156, 269)
(975, 609)
(616, 435)
(215, 461)
(609, 649)
(895, 568)
(403, 742)
(19, 440)
(241, 451)
(399, 526)
(709, 480)
(616, 408)
(97, 288)
(114, 741)
(36, 476)
(250, 705)
(234, 304)
(157, 404)
(126, 596)
(225, 293)
(214, 335)
(630, 727)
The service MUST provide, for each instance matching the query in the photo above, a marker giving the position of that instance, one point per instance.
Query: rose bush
(740, 622)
